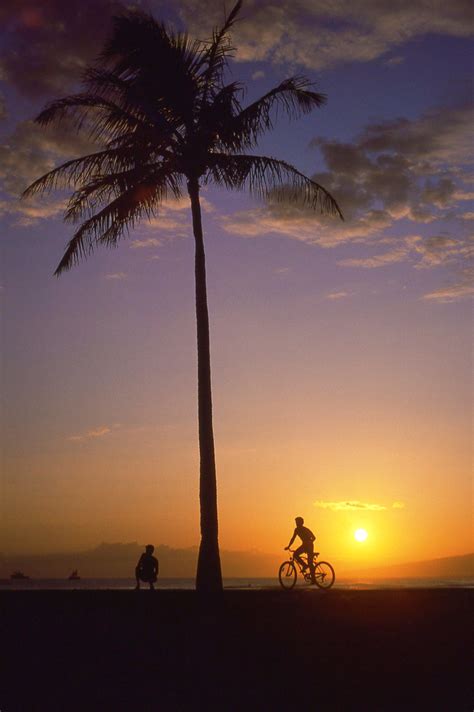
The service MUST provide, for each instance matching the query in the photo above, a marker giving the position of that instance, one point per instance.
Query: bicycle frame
(305, 573)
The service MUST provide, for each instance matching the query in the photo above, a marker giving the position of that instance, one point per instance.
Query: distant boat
(19, 576)
(74, 576)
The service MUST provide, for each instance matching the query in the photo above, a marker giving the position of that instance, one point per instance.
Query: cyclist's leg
(310, 553)
(296, 556)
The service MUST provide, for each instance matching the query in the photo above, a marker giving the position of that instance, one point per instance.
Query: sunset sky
(341, 351)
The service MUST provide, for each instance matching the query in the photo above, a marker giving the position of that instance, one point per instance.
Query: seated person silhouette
(147, 568)
(307, 547)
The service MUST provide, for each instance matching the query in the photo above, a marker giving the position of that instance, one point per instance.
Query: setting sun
(360, 534)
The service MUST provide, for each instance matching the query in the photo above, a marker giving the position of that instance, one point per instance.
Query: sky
(341, 351)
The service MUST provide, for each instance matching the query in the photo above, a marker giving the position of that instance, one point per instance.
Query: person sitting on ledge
(147, 568)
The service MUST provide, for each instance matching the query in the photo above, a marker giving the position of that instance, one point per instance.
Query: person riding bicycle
(307, 546)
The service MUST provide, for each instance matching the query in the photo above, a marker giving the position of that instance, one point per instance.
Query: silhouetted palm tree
(166, 121)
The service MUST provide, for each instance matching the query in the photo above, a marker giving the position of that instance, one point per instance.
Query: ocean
(123, 584)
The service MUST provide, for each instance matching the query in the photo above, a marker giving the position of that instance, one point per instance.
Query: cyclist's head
(299, 521)
(149, 548)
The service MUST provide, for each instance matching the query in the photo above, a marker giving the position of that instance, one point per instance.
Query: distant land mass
(118, 560)
(455, 567)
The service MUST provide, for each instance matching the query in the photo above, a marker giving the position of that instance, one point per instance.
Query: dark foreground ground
(250, 650)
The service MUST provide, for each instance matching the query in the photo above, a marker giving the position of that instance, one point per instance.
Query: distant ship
(74, 576)
(19, 576)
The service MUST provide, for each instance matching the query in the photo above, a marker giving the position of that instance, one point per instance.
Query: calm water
(240, 583)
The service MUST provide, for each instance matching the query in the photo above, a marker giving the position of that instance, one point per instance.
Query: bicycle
(324, 575)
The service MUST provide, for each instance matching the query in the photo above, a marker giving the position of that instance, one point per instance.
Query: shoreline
(229, 584)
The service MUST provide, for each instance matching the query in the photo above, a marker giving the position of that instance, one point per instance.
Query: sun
(360, 534)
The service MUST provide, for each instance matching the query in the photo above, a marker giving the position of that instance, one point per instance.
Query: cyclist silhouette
(147, 567)
(307, 547)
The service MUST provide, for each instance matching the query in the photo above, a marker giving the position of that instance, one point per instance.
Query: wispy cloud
(356, 505)
(398, 255)
(337, 295)
(116, 276)
(146, 242)
(394, 61)
(27, 213)
(349, 505)
(460, 289)
(93, 434)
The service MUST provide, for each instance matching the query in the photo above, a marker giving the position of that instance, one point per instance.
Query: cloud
(147, 242)
(118, 276)
(415, 169)
(317, 35)
(387, 258)
(337, 295)
(355, 505)
(48, 44)
(423, 252)
(304, 225)
(460, 289)
(32, 150)
(259, 74)
(29, 213)
(172, 221)
(28, 153)
(393, 177)
(352, 505)
(394, 61)
(440, 250)
(93, 434)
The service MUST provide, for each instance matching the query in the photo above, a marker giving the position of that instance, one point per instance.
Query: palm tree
(165, 121)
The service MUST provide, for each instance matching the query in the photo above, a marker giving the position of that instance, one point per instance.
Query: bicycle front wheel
(287, 575)
(324, 574)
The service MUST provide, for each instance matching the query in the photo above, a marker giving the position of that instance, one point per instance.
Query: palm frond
(104, 120)
(119, 216)
(83, 169)
(154, 61)
(216, 55)
(264, 176)
(109, 186)
(294, 96)
(93, 115)
(157, 105)
(216, 119)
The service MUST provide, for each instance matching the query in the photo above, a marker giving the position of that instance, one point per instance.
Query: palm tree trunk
(208, 576)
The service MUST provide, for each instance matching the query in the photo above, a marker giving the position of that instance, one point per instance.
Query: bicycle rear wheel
(324, 574)
(287, 575)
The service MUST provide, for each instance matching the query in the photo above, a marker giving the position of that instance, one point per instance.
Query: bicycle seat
(316, 553)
